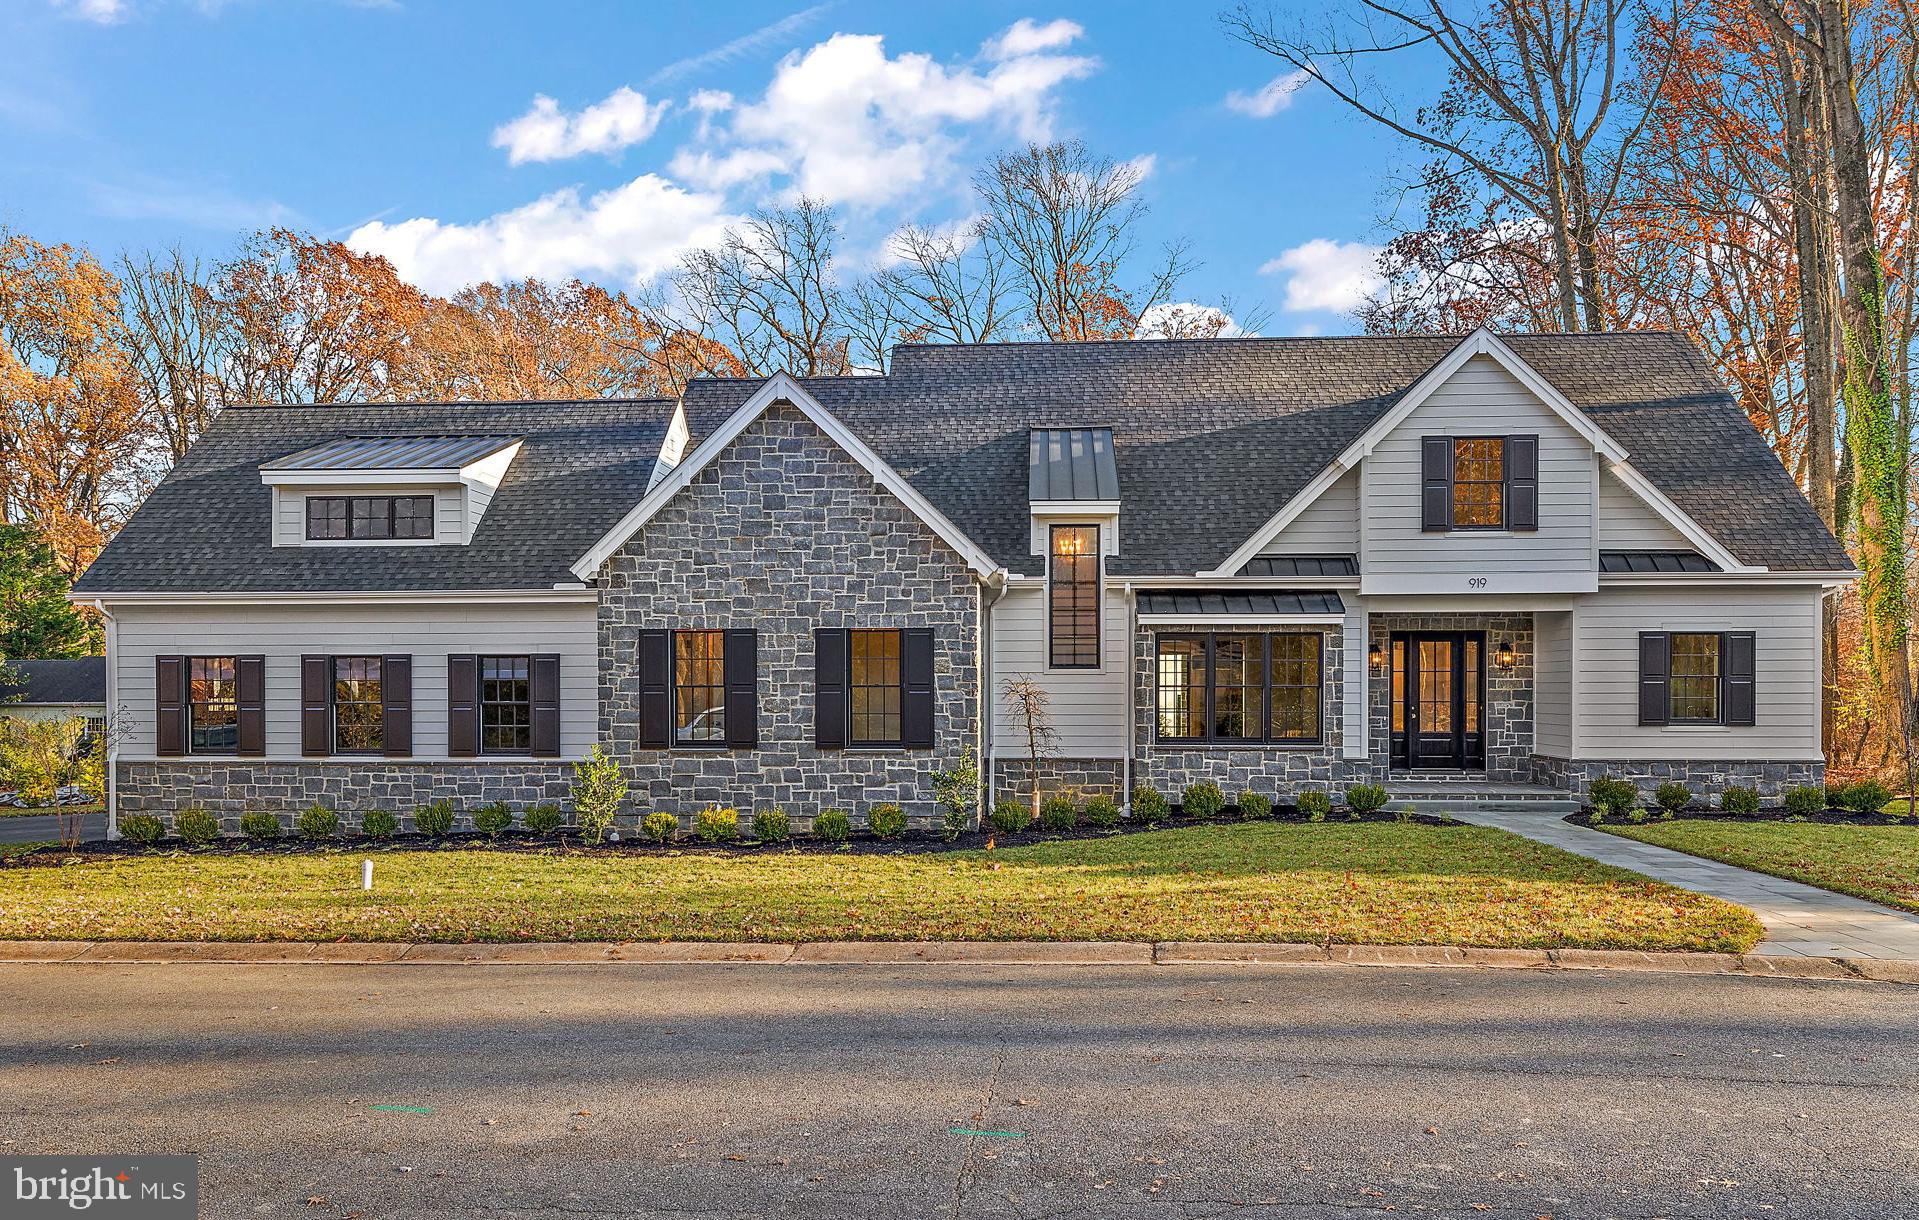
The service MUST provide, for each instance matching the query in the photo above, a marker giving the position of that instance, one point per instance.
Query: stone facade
(784, 533)
(230, 787)
(1706, 779)
(1086, 776)
(1507, 713)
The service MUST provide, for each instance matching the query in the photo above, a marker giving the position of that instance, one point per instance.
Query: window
(1256, 687)
(1695, 683)
(213, 706)
(359, 706)
(506, 706)
(1479, 483)
(1074, 594)
(369, 517)
(873, 661)
(699, 688)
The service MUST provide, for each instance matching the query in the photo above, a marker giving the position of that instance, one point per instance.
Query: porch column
(1355, 716)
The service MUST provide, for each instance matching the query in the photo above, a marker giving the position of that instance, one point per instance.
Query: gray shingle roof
(80, 680)
(1201, 603)
(205, 527)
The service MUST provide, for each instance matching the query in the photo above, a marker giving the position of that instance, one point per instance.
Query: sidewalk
(1801, 920)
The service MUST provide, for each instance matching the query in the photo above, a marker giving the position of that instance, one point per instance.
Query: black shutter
(1739, 650)
(742, 663)
(250, 690)
(1435, 483)
(832, 714)
(316, 680)
(656, 689)
(543, 690)
(462, 705)
(916, 688)
(1522, 482)
(169, 705)
(1655, 667)
(396, 705)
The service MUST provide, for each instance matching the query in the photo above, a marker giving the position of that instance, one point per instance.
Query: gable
(1626, 523)
(1329, 526)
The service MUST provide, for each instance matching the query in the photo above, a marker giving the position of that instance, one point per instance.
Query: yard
(1368, 883)
(1880, 863)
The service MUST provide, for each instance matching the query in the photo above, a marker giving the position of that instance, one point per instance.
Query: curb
(981, 953)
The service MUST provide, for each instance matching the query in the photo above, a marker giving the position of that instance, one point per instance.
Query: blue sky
(415, 128)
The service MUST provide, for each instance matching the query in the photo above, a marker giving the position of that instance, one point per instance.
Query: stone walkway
(1801, 920)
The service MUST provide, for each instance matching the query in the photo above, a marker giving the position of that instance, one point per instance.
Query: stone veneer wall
(229, 787)
(784, 532)
(1707, 779)
(1507, 714)
(1087, 776)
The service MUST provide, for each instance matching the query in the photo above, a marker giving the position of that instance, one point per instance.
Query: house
(56, 690)
(1272, 563)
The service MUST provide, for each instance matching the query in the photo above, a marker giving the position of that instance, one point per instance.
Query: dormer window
(387, 490)
(331, 518)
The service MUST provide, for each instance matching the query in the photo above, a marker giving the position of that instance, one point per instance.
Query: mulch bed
(1831, 817)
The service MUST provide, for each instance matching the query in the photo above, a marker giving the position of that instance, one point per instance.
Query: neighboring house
(1269, 562)
(56, 690)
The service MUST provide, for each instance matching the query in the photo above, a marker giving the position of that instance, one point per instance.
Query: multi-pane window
(873, 663)
(359, 706)
(1695, 677)
(506, 706)
(699, 687)
(369, 517)
(1479, 483)
(213, 706)
(1239, 687)
(1074, 590)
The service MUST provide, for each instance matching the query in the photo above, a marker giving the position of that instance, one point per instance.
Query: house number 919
(1475, 582)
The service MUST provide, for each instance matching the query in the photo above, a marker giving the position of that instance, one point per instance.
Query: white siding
(429, 633)
(1329, 526)
(1553, 683)
(1785, 623)
(1627, 524)
(1481, 399)
(1088, 706)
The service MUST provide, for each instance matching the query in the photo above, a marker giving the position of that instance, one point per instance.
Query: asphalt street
(973, 1091)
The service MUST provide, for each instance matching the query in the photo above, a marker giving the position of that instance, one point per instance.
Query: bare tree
(172, 323)
(768, 293)
(1031, 707)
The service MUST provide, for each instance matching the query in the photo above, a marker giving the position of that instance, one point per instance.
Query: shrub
(1059, 813)
(833, 826)
(434, 819)
(1637, 816)
(716, 825)
(1740, 800)
(956, 788)
(886, 821)
(1011, 815)
(1149, 805)
(1612, 796)
(143, 828)
(954, 823)
(660, 826)
(1866, 796)
(1404, 815)
(378, 824)
(1102, 811)
(599, 789)
(1315, 804)
(772, 825)
(1672, 796)
(318, 822)
(1202, 800)
(1253, 806)
(258, 824)
(1363, 799)
(195, 826)
(490, 819)
(1805, 800)
(544, 819)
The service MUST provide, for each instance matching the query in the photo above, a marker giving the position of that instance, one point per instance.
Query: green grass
(1376, 883)
(1876, 862)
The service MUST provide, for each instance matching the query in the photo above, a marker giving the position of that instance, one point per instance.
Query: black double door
(1439, 696)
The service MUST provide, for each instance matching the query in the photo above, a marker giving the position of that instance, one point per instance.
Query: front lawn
(1367, 883)
(1876, 862)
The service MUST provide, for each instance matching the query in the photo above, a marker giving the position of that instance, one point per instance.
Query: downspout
(996, 586)
(113, 724)
(1126, 763)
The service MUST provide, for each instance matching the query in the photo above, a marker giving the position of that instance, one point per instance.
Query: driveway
(970, 1091)
(38, 828)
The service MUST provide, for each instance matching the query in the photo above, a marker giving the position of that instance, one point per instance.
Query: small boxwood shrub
(1740, 800)
(379, 824)
(143, 828)
(490, 819)
(1253, 806)
(1612, 797)
(1102, 811)
(195, 826)
(544, 819)
(319, 822)
(1011, 815)
(1059, 813)
(1202, 800)
(1805, 800)
(1672, 796)
(833, 826)
(659, 826)
(1363, 799)
(258, 824)
(1866, 796)
(886, 821)
(955, 822)
(771, 825)
(1315, 805)
(1149, 806)
(434, 819)
(716, 825)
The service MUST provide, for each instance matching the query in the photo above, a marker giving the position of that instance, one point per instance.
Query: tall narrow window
(1239, 681)
(359, 706)
(1295, 678)
(506, 706)
(1182, 688)
(1074, 589)
(699, 688)
(1695, 677)
(1479, 483)
(874, 672)
(213, 706)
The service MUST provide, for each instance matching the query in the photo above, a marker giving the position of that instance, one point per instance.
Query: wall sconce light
(1375, 655)
(1506, 657)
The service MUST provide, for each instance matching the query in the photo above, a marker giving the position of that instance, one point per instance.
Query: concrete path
(46, 829)
(1801, 920)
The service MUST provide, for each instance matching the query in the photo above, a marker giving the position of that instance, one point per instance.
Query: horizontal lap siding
(1785, 623)
(428, 633)
(1627, 524)
(1088, 706)
(1329, 527)
(449, 509)
(1552, 679)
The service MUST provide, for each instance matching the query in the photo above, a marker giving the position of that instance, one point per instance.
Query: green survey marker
(998, 1135)
(404, 1109)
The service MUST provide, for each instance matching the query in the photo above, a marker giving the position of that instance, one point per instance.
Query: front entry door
(1439, 686)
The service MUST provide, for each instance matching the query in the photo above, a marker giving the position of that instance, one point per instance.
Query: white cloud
(1025, 37)
(1271, 98)
(547, 133)
(744, 45)
(1337, 276)
(630, 233)
(100, 12)
(1186, 320)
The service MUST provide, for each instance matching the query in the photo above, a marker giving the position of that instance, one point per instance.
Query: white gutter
(374, 597)
(1132, 711)
(997, 585)
(113, 724)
